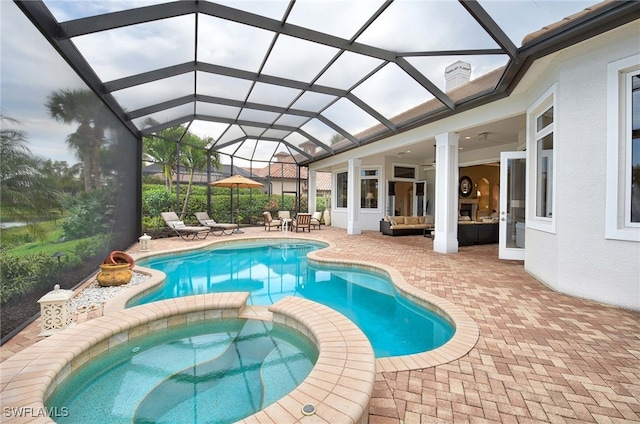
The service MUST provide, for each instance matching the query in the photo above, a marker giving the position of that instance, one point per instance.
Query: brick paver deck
(541, 356)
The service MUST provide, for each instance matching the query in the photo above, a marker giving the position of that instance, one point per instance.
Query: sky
(31, 70)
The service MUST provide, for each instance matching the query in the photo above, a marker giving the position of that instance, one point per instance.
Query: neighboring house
(569, 214)
(200, 178)
(281, 177)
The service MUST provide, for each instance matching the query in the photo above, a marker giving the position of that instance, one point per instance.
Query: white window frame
(618, 189)
(546, 101)
(372, 177)
(335, 192)
(404, 165)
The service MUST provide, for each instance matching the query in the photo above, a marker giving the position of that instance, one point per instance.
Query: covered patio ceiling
(309, 78)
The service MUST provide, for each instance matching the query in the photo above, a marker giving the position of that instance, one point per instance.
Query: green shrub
(19, 274)
(89, 214)
(156, 200)
(197, 203)
(152, 223)
(97, 246)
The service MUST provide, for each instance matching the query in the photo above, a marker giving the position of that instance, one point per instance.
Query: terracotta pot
(119, 257)
(114, 274)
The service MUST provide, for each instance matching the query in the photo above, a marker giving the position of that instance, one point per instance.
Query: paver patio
(542, 356)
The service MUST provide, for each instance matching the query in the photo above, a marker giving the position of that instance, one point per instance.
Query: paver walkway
(541, 357)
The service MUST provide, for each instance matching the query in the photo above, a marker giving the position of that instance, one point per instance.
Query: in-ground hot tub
(220, 370)
(337, 389)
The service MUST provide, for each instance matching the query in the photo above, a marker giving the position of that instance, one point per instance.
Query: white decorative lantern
(144, 242)
(55, 311)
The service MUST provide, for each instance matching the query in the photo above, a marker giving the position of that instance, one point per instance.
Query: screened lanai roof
(307, 78)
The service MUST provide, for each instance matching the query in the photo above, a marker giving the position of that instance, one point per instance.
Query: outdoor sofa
(406, 225)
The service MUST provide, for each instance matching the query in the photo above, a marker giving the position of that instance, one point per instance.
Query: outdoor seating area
(302, 222)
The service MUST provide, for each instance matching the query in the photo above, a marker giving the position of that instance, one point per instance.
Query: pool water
(206, 372)
(272, 270)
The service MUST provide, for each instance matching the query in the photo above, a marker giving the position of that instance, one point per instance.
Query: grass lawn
(49, 234)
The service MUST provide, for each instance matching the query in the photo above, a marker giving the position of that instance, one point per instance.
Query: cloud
(29, 75)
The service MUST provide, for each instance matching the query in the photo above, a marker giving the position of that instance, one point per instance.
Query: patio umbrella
(237, 181)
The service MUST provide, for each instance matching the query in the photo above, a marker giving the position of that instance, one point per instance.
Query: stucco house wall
(577, 258)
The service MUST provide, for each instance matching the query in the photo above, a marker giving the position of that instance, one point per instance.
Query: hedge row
(248, 207)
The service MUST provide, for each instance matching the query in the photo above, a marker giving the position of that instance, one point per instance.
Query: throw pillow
(393, 221)
(411, 220)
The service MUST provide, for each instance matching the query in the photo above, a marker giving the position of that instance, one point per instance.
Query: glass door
(420, 202)
(512, 205)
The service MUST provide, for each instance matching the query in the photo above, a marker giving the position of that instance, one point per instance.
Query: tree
(22, 187)
(84, 108)
(25, 193)
(337, 137)
(161, 147)
(193, 157)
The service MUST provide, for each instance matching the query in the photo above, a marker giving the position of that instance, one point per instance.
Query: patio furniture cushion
(270, 222)
(173, 222)
(223, 228)
(316, 219)
(405, 225)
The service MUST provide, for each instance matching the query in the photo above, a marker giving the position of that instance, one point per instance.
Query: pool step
(229, 383)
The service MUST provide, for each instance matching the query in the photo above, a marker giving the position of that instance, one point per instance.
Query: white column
(446, 212)
(353, 196)
(311, 190)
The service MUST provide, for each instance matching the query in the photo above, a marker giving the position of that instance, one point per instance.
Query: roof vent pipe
(457, 74)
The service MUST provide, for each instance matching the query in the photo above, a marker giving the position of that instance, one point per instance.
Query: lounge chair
(302, 222)
(184, 231)
(270, 222)
(316, 219)
(217, 228)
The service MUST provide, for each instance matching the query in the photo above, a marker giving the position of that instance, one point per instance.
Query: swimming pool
(212, 371)
(272, 270)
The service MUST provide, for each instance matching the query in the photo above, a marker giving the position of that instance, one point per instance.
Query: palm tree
(193, 157)
(84, 108)
(23, 188)
(161, 147)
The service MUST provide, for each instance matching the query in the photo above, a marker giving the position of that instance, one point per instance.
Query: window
(544, 161)
(369, 188)
(408, 172)
(542, 137)
(623, 149)
(633, 179)
(341, 189)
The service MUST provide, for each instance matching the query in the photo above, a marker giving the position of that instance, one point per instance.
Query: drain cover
(308, 409)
